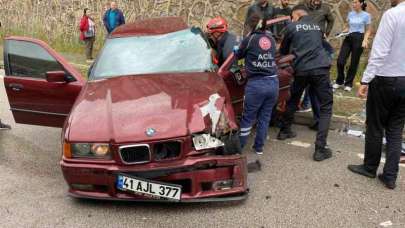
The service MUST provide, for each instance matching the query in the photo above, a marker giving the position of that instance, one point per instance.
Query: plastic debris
(386, 224)
(300, 144)
(355, 133)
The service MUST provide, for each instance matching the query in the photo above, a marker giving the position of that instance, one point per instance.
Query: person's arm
(84, 24)
(246, 26)
(105, 21)
(286, 43)
(331, 21)
(228, 47)
(381, 49)
(367, 34)
(122, 18)
(346, 26)
(241, 52)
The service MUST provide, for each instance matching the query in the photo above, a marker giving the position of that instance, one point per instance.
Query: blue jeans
(261, 96)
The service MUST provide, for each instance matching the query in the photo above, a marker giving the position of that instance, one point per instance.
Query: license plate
(149, 188)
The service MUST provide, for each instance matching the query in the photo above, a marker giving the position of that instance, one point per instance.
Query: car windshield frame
(188, 45)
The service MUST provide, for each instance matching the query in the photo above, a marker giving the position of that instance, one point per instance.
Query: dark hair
(363, 4)
(299, 7)
(85, 11)
(254, 20)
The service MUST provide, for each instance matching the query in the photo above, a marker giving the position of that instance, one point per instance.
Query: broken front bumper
(196, 175)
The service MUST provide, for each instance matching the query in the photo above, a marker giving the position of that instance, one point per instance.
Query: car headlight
(87, 150)
(206, 141)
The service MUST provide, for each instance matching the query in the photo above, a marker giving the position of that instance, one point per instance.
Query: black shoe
(388, 184)
(322, 153)
(314, 127)
(360, 169)
(4, 126)
(286, 134)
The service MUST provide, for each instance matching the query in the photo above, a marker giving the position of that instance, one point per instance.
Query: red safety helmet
(217, 24)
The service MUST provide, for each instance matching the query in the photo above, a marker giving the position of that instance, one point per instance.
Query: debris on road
(254, 166)
(386, 224)
(346, 130)
(356, 133)
(300, 144)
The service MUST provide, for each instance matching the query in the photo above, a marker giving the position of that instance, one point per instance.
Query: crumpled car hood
(123, 109)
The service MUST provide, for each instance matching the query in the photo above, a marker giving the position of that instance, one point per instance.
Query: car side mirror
(55, 76)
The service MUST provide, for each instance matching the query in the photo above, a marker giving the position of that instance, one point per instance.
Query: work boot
(286, 134)
(360, 169)
(322, 153)
(387, 183)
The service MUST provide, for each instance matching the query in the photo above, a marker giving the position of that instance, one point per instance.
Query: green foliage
(59, 42)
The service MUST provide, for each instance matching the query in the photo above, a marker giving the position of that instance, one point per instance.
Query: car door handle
(16, 87)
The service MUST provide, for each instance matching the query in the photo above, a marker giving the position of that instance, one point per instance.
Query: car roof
(151, 26)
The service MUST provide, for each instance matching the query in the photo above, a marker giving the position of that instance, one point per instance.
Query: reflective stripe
(246, 129)
(245, 134)
(273, 76)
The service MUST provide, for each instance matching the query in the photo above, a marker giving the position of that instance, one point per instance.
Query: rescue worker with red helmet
(261, 91)
(221, 39)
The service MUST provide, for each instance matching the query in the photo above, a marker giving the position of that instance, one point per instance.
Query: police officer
(304, 38)
(261, 91)
(263, 8)
(322, 15)
(221, 39)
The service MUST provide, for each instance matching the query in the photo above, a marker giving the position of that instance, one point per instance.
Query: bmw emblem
(150, 132)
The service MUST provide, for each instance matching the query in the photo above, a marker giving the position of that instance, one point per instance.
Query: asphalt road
(290, 191)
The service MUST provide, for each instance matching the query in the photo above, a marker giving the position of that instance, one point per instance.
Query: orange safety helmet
(217, 24)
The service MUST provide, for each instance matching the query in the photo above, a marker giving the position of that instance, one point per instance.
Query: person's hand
(363, 91)
(365, 44)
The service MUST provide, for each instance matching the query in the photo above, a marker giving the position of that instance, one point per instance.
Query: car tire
(232, 144)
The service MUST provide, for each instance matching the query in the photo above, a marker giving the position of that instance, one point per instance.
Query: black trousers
(385, 112)
(320, 84)
(351, 45)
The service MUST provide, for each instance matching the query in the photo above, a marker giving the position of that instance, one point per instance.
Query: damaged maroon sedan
(156, 121)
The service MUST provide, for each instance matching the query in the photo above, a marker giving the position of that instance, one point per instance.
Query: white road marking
(382, 160)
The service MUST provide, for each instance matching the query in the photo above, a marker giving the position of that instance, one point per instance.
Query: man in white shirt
(383, 84)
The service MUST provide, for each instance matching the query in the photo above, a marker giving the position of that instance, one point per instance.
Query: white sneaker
(336, 86)
(257, 151)
(348, 89)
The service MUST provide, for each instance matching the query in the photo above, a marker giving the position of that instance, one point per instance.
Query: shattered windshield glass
(182, 51)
